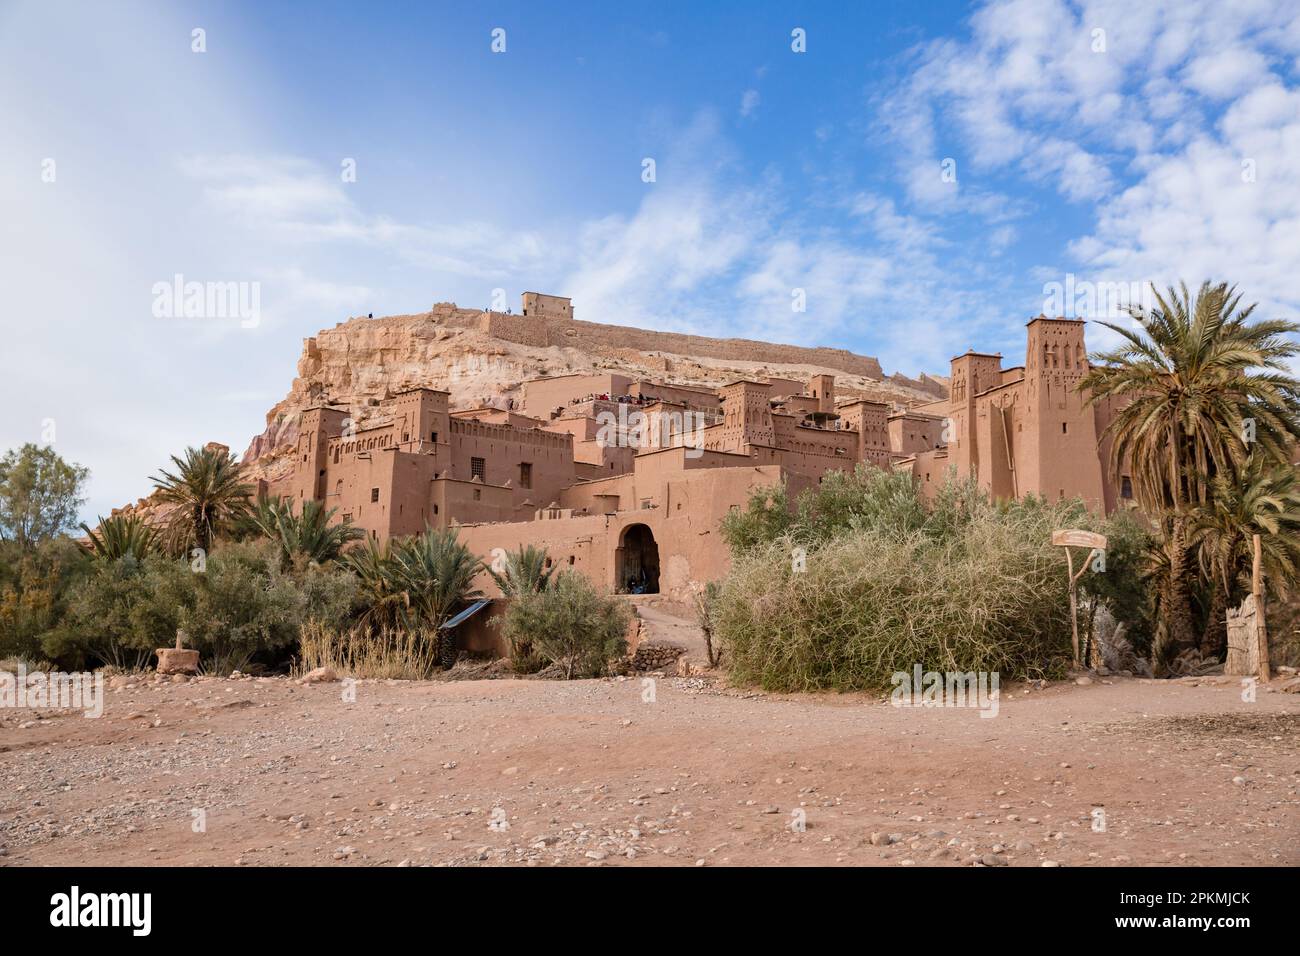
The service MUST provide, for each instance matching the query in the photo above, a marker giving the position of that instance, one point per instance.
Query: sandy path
(588, 772)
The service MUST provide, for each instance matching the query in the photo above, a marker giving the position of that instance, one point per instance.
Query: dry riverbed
(266, 771)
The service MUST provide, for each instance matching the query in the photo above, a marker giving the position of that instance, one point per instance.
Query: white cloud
(749, 101)
(1224, 74)
(1159, 134)
(292, 200)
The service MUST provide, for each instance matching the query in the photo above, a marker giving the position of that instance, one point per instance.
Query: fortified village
(626, 479)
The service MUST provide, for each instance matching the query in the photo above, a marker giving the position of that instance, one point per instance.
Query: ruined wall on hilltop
(539, 331)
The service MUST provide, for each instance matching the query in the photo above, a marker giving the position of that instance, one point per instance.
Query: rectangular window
(374, 495)
(478, 468)
(435, 437)
(1064, 428)
(525, 474)
(1126, 487)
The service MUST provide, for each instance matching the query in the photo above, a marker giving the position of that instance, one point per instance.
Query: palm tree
(305, 538)
(118, 536)
(208, 495)
(387, 603)
(523, 572)
(437, 572)
(1198, 385)
(1264, 500)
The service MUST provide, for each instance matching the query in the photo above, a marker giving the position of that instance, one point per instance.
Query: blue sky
(1113, 141)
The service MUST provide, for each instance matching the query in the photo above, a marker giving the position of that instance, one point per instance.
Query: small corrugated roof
(467, 613)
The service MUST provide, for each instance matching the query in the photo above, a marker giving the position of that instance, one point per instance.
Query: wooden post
(1074, 605)
(1261, 625)
(1096, 543)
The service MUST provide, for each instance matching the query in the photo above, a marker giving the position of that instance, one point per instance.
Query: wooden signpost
(1257, 590)
(1071, 538)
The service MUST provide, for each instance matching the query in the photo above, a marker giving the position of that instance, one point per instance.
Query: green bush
(35, 586)
(245, 607)
(242, 607)
(885, 501)
(121, 612)
(570, 624)
(964, 584)
(1123, 587)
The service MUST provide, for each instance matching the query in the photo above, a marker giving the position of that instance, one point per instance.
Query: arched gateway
(636, 565)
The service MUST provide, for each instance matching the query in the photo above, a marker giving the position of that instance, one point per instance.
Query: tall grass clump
(380, 653)
(960, 584)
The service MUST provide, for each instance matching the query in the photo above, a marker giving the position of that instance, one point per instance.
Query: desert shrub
(242, 607)
(364, 652)
(704, 601)
(570, 624)
(865, 498)
(245, 607)
(765, 517)
(121, 612)
(975, 585)
(330, 594)
(35, 586)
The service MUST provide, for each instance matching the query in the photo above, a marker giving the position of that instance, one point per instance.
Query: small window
(478, 468)
(1065, 428)
(478, 494)
(435, 437)
(525, 474)
(406, 436)
(435, 509)
(1126, 487)
(570, 560)
(374, 495)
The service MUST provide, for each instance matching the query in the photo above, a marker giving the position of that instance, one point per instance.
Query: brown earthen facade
(628, 480)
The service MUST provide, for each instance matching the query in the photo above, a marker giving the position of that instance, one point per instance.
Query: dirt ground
(265, 771)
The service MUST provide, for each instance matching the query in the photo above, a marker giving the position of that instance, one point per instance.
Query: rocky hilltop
(482, 359)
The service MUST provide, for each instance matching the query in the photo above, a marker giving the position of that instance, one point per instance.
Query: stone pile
(656, 655)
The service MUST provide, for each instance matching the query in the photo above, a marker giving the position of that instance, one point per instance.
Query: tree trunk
(447, 649)
(1180, 631)
(1214, 639)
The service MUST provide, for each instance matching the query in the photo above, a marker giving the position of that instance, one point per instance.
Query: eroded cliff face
(361, 362)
